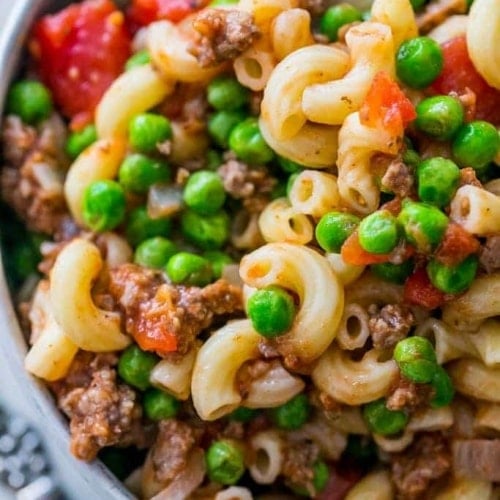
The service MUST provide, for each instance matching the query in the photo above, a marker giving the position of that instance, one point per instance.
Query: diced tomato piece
(79, 52)
(353, 253)
(456, 245)
(143, 12)
(420, 291)
(386, 106)
(340, 481)
(459, 74)
(151, 335)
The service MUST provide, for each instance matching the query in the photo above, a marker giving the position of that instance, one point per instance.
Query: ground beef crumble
(222, 34)
(398, 179)
(407, 395)
(389, 324)
(298, 462)
(489, 256)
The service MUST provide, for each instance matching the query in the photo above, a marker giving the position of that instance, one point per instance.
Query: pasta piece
(314, 193)
(480, 301)
(374, 486)
(280, 222)
(264, 11)
(290, 31)
(349, 421)
(282, 105)
(217, 363)
(187, 144)
(336, 374)
(99, 161)
(493, 186)
(396, 443)
(476, 210)
(174, 376)
(321, 297)
(116, 248)
(274, 388)
(245, 233)
(346, 273)
(168, 45)
(372, 50)
(267, 449)
(234, 493)
(399, 16)
(483, 39)
(487, 342)
(370, 289)
(431, 419)
(89, 327)
(357, 144)
(487, 418)
(134, 92)
(253, 67)
(353, 331)
(52, 352)
(466, 489)
(474, 379)
(451, 28)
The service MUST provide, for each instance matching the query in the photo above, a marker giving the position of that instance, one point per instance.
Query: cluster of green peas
(417, 362)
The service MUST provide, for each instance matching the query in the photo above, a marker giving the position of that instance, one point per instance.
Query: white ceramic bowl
(18, 389)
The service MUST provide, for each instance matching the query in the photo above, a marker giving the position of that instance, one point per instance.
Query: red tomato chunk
(143, 12)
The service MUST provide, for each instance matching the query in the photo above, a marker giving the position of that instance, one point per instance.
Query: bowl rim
(36, 397)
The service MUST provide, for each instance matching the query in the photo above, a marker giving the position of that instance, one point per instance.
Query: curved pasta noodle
(483, 39)
(337, 374)
(279, 221)
(268, 451)
(487, 418)
(314, 193)
(245, 233)
(474, 379)
(451, 28)
(134, 92)
(99, 161)
(52, 352)
(321, 297)
(374, 486)
(372, 50)
(396, 443)
(290, 31)
(431, 419)
(399, 16)
(253, 67)
(265, 11)
(466, 489)
(357, 144)
(370, 289)
(89, 327)
(217, 363)
(346, 273)
(282, 104)
(353, 331)
(234, 493)
(349, 420)
(168, 45)
(476, 210)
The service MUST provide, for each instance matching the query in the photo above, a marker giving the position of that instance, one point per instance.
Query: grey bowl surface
(18, 390)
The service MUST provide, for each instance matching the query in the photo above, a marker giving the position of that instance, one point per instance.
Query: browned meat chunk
(428, 458)
(102, 411)
(315, 7)
(477, 459)
(223, 34)
(406, 395)
(298, 462)
(171, 449)
(489, 257)
(438, 11)
(153, 307)
(468, 176)
(32, 179)
(389, 324)
(398, 178)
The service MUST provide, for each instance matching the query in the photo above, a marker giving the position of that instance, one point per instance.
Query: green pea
(416, 359)
(271, 311)
(293, 414)
(321, 474)
(379, 232)
(476, 144)
(81, 140)
(443, 388)
(437, 180)
(220, 3)
(453, 279)
(419, 62)
(155, 252)
(213, 160)
(138, 173)
(423, 225)
(411, 158)
(219, 261)
(439, 116)
(147, 130)
(225, 93)
(383, 421)
(221, 124)
(225, 462)
(248, 144)
(189, 269)
(204, 192)
(395, 273)
(334, 228)
(158, 405)
(243, 414)
(141, 226)
(337, 16)
(279, 191)
(209, 232)
(138, 59)
(135, 365)
(103, 205)
(289, 166)
(25, 258)
(30, 100)
(417, 4)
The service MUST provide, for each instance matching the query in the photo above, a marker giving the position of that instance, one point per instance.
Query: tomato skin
(152, 334)
(459, 73)
(79, 52)
(386, 106)
(456, 245)
(419, 290)
(143, 12)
